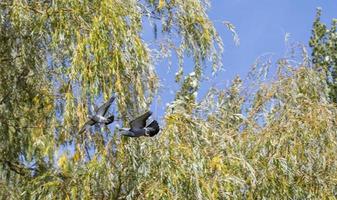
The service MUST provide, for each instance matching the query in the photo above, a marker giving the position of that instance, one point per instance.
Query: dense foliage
(324, 47)
(255, 139)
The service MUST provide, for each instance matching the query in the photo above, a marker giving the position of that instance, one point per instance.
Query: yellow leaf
(36, 99)
(216, 163)
(77, 156)
(62, 162)
(161, 4)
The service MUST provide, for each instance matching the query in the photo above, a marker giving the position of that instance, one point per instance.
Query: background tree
(324, 47)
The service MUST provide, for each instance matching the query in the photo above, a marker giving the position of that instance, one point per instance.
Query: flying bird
(138, 127)
(99, 117)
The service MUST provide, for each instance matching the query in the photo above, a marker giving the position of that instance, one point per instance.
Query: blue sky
(261, 25)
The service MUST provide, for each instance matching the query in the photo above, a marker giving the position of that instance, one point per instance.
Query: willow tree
(58, 59)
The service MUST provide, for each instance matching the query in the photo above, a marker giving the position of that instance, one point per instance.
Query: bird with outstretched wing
(99, 116)
(138, 127)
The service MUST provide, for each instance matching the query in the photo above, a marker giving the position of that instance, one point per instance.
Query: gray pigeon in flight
(138, 127)
(100, 117)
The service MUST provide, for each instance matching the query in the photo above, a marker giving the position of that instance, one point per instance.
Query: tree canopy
(259, 138)
(324, 46)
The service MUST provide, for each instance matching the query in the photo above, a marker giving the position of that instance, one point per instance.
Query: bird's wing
(105, 107)
(140, 122)
(153, 128)
(90, 122)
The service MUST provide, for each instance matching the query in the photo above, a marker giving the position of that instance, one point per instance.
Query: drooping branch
(17, 167)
